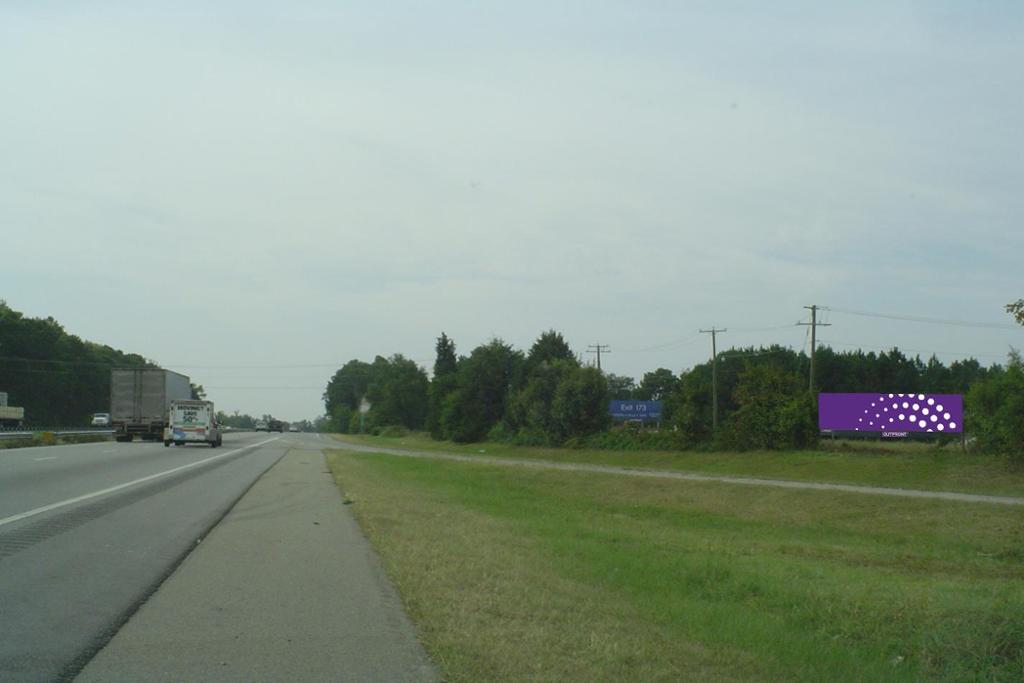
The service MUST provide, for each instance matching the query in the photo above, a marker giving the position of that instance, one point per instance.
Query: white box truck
(192, 422)
(140, 399)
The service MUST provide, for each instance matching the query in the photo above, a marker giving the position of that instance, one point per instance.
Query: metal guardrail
(29, 433)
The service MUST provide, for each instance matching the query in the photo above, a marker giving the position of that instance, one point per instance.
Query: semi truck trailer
(140, 399)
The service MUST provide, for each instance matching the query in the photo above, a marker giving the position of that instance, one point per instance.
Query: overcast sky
(236, 189)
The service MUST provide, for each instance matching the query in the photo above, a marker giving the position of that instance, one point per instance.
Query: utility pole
(714, 376)
(598, 348)
(814, 326)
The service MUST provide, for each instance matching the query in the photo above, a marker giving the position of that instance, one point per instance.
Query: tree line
(58, 378)
(547, 396)
(240, 420)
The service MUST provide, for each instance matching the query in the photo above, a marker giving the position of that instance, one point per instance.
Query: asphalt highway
(88, 532)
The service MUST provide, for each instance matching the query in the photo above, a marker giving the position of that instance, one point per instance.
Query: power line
(290, 388)
(962, 354)
(764, 329)
(105, 364)
(680, 342)
(183, 366)
(922, 319)
(750, 354)
(56, 371)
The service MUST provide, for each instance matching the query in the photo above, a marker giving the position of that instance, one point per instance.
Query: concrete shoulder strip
(285, 588)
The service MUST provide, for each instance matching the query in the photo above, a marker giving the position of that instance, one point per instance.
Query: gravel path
(688, 476)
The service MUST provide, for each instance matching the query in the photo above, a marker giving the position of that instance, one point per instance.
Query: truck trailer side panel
(140, 397)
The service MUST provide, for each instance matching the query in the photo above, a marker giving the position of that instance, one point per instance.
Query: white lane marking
(52, 457)
(78, 499)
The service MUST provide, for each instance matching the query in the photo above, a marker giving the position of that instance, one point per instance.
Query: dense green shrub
(440, 388)
(501, 433)
(395, 387)
(530, 436)
(397, 392)
(580, 405)
(632, 440)
(994, 410)
(360, 423)
(341, 419)
(531, 407)
(774, 411)
(484, 381)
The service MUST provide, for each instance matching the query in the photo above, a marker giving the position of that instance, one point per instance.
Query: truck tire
(166, 444)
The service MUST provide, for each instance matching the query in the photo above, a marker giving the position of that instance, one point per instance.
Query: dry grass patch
(490, 606)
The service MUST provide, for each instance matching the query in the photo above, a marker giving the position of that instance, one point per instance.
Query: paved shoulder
(286, 587)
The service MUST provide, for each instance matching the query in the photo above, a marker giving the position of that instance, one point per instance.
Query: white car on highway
(101, 420)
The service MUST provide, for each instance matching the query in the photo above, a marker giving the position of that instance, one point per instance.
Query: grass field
(901, 465)
(523, 574)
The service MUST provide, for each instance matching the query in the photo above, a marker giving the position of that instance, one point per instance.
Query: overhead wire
(764, 329)
(923, 319)
(683, 341)
(747, 354)
(962, 354)
(680, 342)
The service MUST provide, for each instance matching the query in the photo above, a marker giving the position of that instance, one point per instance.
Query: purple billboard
(891, 412)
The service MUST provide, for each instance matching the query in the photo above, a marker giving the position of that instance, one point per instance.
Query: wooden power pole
(814, 327)
(714, 376)
(598, 348)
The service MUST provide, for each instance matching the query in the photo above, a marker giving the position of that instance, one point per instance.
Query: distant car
(293, 429)
(261, 427)
(101, 420)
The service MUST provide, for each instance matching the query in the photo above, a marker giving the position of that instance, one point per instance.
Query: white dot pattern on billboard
(923, 412)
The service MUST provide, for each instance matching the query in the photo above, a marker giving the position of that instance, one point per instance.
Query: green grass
(522, 574)
(902, 465)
